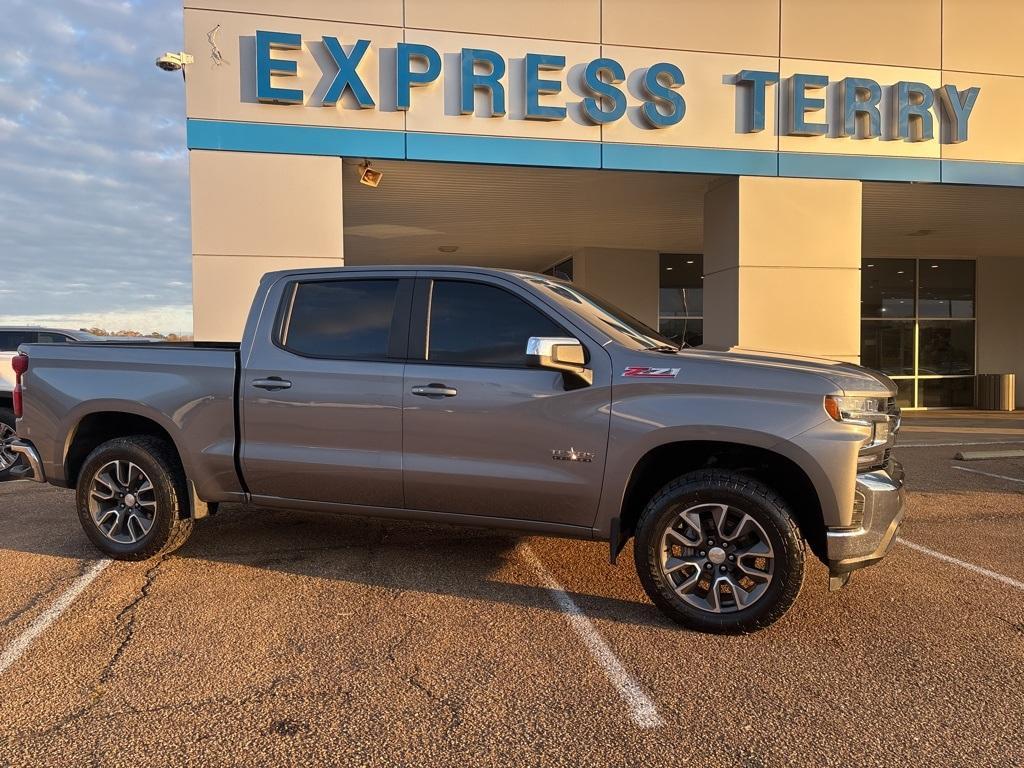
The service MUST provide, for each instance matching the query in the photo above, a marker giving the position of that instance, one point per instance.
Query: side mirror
(563, 354)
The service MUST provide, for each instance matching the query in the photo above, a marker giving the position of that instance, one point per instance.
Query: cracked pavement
(288, 638)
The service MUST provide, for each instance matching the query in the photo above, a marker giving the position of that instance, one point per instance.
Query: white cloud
(93, 166)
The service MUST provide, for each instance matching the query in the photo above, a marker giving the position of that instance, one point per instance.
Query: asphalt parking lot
(283, 638)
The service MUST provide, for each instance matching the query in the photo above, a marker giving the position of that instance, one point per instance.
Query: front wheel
(132, 498)
(718, 551)
(9, 460)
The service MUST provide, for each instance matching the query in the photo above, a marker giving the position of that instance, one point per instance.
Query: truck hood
(847, 377)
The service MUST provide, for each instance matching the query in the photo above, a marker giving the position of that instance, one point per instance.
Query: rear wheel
(718, 551)
(132, 498)
(9, 460)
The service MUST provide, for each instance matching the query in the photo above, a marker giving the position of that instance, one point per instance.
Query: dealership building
(822, 178)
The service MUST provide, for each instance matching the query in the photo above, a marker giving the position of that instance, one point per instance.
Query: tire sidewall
(7, 417)
(167, 495)
(777, 524)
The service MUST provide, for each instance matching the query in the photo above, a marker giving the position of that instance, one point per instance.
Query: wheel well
(663, 464)
(97, 428)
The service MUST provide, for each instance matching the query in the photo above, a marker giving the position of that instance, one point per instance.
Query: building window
(681, 298)
(918, 328)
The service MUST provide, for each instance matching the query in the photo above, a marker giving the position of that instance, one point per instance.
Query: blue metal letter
(853, 108)
(347, 76)
(592, 79)
(919, 111)
(958, 108)
(758, 83)
(490, 82)
(405, 78)
(266, 66)
(659, 91)
(535, 64)
(800, 104)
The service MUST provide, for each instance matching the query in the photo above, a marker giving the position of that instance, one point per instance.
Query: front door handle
(272, 383)
(435, 390)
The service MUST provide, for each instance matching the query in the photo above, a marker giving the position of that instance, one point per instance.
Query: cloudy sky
(94, 220)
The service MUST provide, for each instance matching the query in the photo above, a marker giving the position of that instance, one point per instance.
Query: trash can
(995, 391)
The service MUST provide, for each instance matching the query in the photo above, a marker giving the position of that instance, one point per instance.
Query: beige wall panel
(435, 107)
(884, 76)
(627, 278)
(983, 36)
(578, 20)
(798, 222)
(387, 12)
(801, 311)
(711, 104)
(1000, 312)
(994, 125)
(248, 204)
(782, 266)
(223, 287)
(735, 26)
(905, 33)
(228, 92)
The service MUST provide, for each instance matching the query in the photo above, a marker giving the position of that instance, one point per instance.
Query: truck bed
(187, 389)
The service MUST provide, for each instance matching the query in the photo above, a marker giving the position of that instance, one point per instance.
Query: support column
(782, 261)
(252, 214)
(626, 278)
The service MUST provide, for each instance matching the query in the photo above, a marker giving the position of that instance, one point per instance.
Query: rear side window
(53, 338)
(479, 324)
(349, 319)
(11, 340)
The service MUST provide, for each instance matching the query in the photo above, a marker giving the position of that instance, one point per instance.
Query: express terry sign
(810, 104)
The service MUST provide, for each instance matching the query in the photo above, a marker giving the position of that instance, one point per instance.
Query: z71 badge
(643, 372)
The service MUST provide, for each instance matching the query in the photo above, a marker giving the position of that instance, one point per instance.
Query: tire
(8, 461)
(158, 522)
(764, 554)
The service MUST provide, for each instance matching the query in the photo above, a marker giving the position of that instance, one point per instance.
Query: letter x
(347, 76)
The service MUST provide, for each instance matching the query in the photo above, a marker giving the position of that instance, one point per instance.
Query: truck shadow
(468, 563)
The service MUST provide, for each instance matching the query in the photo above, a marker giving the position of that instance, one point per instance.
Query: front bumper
(852, 548)
(31, 455)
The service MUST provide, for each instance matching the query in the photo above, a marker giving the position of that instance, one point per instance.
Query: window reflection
(681, 297)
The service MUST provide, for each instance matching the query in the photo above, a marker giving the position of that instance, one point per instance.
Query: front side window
(480, 324)
(345, 319)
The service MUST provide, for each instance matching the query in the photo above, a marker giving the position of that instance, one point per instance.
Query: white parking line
(21, 643)
(955, 445)
(1010, 582)
(641, 708)
(990, 474)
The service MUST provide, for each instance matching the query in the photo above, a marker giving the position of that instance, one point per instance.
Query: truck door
(486, 434)
(322, 392)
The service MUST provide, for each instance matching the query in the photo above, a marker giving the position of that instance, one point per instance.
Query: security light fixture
(172, 62)
(369, 175)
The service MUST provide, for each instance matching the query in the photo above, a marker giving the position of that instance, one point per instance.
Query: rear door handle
(272, 383)
(435, 390)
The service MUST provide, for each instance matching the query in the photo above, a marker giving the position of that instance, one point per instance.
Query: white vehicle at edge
(11, 337)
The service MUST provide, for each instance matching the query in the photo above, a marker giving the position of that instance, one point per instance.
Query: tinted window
(477, 324)
(888, 288)
(11, 340)
(53, 338)
(342, 318)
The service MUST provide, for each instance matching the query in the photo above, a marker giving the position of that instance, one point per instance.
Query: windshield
(621, 326)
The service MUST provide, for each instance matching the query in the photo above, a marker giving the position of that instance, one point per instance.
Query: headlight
(856, 410)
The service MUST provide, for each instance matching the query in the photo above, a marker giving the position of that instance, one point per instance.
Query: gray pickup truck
(481, 397)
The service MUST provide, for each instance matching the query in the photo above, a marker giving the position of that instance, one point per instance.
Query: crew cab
(483, 397)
